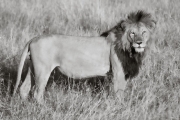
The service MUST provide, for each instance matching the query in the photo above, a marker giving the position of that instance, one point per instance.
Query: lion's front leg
(119, 83)
(118, 74)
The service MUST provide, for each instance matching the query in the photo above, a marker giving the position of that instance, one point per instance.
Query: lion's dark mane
(131, 60)
(130, 63)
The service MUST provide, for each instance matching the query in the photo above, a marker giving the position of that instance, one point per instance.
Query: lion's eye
(132, 34)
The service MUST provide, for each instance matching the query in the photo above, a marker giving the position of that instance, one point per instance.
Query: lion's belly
(84, 71)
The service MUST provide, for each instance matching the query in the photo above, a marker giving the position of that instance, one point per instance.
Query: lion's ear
(152, 26)
(123, 24)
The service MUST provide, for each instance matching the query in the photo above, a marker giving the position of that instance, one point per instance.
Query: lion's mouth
(139, 49)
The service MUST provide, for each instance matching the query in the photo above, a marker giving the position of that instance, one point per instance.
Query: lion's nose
(139, 42)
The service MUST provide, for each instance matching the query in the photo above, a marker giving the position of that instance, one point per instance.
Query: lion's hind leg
(27, 84)
(42, 75)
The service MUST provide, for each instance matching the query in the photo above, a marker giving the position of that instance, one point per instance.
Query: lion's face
(138, 35)
(134, 32)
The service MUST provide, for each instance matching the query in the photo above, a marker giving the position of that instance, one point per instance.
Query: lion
(119, 50)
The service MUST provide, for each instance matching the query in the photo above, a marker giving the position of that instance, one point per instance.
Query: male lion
(120, 50)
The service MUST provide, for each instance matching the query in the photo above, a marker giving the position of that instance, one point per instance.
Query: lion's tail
(20, 67)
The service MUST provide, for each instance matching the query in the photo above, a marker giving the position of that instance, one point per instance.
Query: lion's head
(133, 36)
(135, 31)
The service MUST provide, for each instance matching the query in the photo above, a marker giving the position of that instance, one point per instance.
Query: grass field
(155, 92)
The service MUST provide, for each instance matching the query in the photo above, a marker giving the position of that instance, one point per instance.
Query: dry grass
(155, 92)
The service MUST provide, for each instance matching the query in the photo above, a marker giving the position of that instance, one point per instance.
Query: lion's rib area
(77, 57)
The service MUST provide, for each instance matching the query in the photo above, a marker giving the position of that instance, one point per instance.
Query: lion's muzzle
(139, 46)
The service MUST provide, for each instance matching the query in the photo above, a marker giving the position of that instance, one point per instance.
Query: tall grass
(155, 92)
